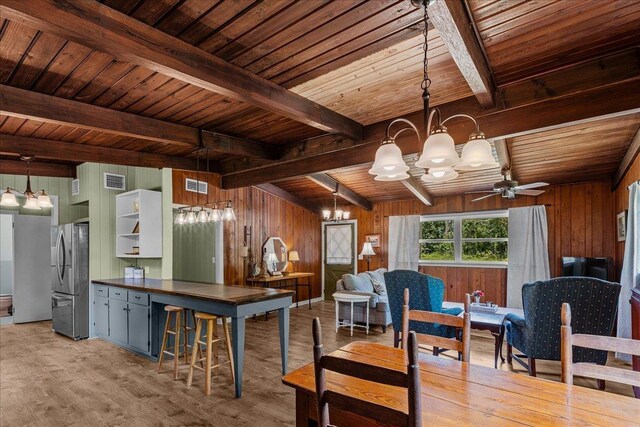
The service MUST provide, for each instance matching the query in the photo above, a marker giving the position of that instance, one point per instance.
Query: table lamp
(367, 252)
(294, 257)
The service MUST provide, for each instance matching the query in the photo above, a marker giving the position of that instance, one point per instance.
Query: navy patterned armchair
(537, 335)
(427, 293)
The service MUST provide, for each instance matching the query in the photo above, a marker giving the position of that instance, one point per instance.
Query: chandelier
(35, 201)
(337, 214)
(439, 156)
(207, 212)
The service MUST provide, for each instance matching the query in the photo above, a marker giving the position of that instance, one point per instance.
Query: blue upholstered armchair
(537, 335)
(427, 293)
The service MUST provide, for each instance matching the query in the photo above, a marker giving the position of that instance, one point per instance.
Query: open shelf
(147, 221)
(130, 215)
(129, 235)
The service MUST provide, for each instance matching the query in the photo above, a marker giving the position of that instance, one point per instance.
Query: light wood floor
(48, 380)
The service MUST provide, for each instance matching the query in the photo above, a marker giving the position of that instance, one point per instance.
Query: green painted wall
(103, 263)
(60, 187)
(193, 250)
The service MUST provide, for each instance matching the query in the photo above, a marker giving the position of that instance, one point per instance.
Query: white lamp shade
(8, 199)
(293, 256)
(367, 249)
(389, 163)
(32, 203)
(438, 151)
(440, 174)
(477, 155)
(44, 201)
(346, 215)
(326, 214)
(202, 216)
(228, 214)
(272, 257)
(180, 218)
(191, 217)
(215, 215)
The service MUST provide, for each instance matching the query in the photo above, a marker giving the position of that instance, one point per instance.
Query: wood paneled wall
(580, 220)
(622, 203)
(267, 216)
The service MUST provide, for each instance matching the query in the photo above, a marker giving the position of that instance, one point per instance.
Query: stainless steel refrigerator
(70, 280)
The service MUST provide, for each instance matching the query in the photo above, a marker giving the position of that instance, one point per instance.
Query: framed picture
(622, 226)
(374, 239)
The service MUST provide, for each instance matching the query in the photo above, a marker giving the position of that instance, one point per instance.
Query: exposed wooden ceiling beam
(225, 144)
(37, 106)
(18, 167)
(92, 24)
(502, 150)
(274, 190)
(450, 18)
(632, 152)
(418, 190)
(327, 182)
(531, 117)
(58, 150)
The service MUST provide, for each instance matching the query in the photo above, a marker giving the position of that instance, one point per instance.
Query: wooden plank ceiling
(361, 59)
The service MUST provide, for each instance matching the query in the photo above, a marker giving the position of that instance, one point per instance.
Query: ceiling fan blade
(530, 186)
(529, 192)
(481, 192)
(485, 197)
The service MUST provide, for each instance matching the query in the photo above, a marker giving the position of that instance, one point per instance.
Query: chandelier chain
(426, 81)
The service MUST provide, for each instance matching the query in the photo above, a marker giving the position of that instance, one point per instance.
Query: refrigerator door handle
(58, 257)
(64, 258)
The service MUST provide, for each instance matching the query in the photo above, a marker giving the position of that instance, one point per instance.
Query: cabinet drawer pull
(106, 303)
(137, 297)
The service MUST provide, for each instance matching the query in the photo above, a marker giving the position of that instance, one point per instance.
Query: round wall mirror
(274, 253)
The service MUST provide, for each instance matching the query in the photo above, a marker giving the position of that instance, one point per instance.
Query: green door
(339, 255)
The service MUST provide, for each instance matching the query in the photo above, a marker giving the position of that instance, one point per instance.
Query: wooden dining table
(458, 393)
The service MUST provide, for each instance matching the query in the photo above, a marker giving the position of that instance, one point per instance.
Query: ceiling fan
(509, 188)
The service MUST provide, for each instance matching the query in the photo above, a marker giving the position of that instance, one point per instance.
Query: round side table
(341, 297)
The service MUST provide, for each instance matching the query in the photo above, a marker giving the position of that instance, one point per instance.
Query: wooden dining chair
(596, 342)
(463, 323)
(375, 374)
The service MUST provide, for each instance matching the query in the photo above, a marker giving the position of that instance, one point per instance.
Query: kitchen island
(120, 305)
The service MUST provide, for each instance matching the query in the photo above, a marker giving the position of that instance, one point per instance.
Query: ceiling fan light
(32, 203)
(477, 155)
(443, 174)
(8, 199)
(44, 201)
(439, 150)
(389, 161)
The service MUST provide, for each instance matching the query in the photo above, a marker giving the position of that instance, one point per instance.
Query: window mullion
(457, 237)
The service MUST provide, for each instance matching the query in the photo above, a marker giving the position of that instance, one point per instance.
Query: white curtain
(404, 242)
(630, 265)
(528, 251)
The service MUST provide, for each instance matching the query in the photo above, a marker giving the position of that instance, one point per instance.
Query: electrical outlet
(360, 257)
(213, 260)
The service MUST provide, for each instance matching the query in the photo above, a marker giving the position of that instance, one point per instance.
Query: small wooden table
(458, 393)
(276, 283)
(350, 299)
(493, 323)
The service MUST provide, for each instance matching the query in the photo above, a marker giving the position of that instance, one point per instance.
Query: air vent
(203, 187)
(114, 181)
(75, 187)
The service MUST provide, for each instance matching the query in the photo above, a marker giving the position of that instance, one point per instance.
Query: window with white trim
(464, 239)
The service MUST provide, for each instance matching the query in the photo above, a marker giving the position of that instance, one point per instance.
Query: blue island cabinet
(123, 317)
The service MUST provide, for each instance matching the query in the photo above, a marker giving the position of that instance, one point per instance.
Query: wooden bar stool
(211, 340)
(180, 316)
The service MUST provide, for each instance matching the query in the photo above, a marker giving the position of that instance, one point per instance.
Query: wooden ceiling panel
(523, 38)
(574, 153)
(386, 85)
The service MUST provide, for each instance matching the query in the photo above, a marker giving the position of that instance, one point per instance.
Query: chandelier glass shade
(443, 174)
(35, 201)
(439, 150)
(389, 164)
(477, 154)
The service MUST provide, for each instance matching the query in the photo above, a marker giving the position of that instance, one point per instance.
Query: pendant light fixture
(35, 201)
(438, 153)
(200, 214)
(338, 214)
